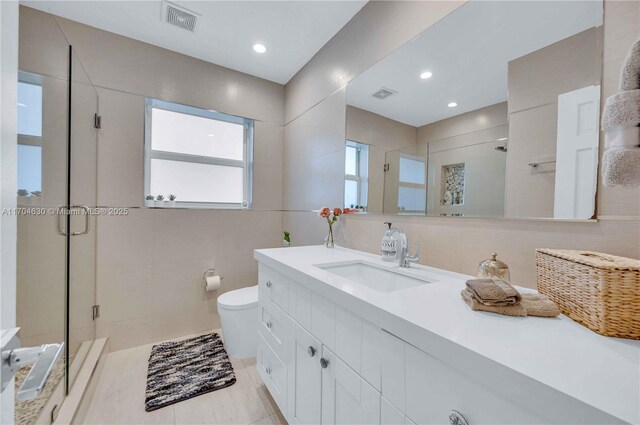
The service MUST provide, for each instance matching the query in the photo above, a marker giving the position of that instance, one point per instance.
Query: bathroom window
(202, 157)
(29, 135)
(356, 166)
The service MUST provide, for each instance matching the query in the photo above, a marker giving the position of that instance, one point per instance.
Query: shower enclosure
(56, 241)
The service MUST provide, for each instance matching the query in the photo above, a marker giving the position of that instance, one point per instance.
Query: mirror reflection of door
(577, 153)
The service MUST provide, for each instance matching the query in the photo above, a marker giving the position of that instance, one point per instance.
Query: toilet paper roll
(212, 283)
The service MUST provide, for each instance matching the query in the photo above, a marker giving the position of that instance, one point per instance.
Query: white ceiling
(467, 52)
(292, 31)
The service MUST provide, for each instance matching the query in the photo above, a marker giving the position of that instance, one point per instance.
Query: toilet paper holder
(210, 272)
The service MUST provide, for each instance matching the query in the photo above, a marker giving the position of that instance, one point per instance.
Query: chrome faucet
(402, 253)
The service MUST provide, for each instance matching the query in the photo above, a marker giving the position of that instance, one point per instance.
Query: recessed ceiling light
(426, 75)
(259, 48)
(502, 138)
(452, 105)
(210, 135)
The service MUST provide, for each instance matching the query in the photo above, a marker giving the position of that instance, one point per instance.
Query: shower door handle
(63, 211)
(86, 219)
(60, 211)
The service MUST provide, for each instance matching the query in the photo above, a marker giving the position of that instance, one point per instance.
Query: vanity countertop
(600, 371)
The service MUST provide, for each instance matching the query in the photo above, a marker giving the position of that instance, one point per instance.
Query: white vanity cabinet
(325, 364)
(322, 386)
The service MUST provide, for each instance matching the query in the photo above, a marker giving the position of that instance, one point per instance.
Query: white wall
(314, 157)
(457, 243)
(8, 141)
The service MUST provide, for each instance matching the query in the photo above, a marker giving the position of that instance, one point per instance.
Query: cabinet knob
(268, 284)
(456, 418)
(269, 325)
(311, 351)
(324, 363)
(268, 370)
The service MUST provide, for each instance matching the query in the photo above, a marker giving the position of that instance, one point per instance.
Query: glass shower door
(82, 201)
(43, 138)
(57, 178)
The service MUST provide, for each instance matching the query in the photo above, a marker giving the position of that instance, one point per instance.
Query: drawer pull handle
(456, 418)
(268, 370)
(324, 363)
(268, 284)
(269, 324)
(311, 351)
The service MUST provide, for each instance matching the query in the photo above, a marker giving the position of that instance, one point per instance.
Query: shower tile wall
(151, 261)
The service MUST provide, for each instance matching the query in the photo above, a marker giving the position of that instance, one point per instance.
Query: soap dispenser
(389, 244)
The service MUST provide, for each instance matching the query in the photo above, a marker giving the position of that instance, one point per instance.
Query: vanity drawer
(273, 373)
(274, 285)
(434, 390)
(275, 327)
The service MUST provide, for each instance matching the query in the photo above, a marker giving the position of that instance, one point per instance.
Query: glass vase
(328, 241)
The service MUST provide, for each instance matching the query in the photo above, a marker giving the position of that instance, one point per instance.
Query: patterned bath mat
(184, 369)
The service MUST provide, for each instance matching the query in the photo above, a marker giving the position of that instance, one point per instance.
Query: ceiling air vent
(179, 16)
(384, 93)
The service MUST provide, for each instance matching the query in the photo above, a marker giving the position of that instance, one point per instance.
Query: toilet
(239, 316)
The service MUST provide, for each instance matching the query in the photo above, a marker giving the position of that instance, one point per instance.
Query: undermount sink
(377, 277)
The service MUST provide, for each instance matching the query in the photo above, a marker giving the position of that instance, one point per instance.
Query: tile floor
(120, 393)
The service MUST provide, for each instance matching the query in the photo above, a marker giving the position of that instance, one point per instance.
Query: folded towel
(539, 305)
(509, 310)
(622, 110)
(621, 164)
(620, 121)
(493, 292)
(630, 74)
(531, 305)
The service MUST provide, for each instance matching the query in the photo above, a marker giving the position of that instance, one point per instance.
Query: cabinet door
(434, 390)
(305, 379)
(346, 397)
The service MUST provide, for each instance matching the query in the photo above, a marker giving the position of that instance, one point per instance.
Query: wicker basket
(599, 291)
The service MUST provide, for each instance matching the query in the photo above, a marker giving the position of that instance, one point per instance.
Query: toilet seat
(239, 299)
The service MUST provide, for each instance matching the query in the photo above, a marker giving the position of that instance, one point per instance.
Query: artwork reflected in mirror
(499, 120)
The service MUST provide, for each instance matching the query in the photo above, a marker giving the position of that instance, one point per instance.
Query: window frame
(246, 163)
(28, 139)
(360, 179)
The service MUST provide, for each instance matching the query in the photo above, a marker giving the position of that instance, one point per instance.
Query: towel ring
(210, 272)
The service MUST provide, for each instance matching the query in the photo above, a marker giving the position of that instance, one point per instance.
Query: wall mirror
(498, 120)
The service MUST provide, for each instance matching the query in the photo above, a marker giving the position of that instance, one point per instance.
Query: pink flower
(350, 211)
(337, 212)
(324, 212)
